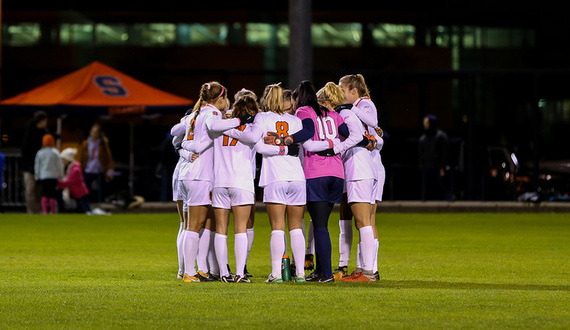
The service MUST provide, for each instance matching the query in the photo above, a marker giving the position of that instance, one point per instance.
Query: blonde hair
(332, 93)
(356, 81)
(245, 105)
(272, 99)
(209, 93)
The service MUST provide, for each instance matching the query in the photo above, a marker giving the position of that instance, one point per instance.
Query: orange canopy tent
(95, 89)
(99, 90)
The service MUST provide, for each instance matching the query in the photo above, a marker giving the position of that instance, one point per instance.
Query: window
(23, 34)
(337, 35)
(262, 34)
(76, 34)
(202, 34)
(111, 34)
(151, 35)
(393, 35)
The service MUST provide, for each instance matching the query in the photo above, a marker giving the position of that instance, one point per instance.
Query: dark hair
(39, 116)
(307, 96)
(245, 105)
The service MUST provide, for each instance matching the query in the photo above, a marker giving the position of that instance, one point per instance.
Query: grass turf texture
(437, 271)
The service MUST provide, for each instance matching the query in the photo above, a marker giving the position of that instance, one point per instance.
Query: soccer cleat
(313, 277)
(300, 278)
(377, 276)
(309, 262)
(271, 279)
(340, 272)
(245, 272)
(191, 279)
(216, 277)
(180, 275)
(227, 279)
(204, 277)
(360, 277)
(242, 279)
(323, 279)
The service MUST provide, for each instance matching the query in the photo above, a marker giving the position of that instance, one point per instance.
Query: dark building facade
(494, 74)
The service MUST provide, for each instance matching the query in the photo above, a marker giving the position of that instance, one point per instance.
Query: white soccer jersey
(233, 162)
(366, 111)
(276, 167)
(186, 165)
(357, 161)
(207, 127)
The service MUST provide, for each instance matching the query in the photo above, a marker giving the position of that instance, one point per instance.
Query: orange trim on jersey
(360, 99)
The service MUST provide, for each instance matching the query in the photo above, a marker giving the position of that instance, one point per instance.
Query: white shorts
(225, 198)
(176, 194)
(361, 191)
(380, 185)
(197, 192)
(286, 192)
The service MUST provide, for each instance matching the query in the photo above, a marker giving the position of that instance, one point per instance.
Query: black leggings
(320, 213)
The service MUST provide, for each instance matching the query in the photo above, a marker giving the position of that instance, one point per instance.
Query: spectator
(73, 180)
(432, 154)
(48, 170)
(35, 129)
(97, 163)
(165, 167)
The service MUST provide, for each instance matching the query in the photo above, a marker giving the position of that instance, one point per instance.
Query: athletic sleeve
(215, 123)
(367, 114)
(316, 146)
(178, 129)
(307, 132)
(266, 149)
(355, 132)
(250, 135)
(197, 147)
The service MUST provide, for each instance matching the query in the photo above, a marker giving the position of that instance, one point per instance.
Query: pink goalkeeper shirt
(326, 127)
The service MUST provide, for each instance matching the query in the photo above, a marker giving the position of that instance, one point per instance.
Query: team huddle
(318, 149)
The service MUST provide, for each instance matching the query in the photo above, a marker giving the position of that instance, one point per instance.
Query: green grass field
(489, 271)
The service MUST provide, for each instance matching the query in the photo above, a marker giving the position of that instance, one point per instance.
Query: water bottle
(286, 268)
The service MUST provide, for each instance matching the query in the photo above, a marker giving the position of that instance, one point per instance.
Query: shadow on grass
(469, 286)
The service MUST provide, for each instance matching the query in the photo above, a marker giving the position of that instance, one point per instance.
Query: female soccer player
(205, 124)
(361, 178)
(283, 181)
(234, 163)
(323, 171)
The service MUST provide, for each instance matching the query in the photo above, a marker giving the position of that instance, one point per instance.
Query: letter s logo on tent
(110, 85)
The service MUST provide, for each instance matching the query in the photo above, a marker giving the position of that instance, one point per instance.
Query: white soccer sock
(358, 256)
(212, 261)
(190, 242)
(298, 247)
(367, 248)
(344, 242)
(221, 247)
(203, 250)
(377, 243)
(276, 249)
(311, 239)
(250, 236)
(240, 249)
(180, 248)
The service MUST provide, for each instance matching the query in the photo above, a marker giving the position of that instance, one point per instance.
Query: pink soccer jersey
(276, 166)
(326, 127)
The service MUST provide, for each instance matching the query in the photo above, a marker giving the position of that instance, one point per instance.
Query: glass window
(337, 35)
(153, 35)
(111, 34)
(202, 34)
(76, 34)
(393, 35)
(23, 34)
(262, 34)
(497, 38)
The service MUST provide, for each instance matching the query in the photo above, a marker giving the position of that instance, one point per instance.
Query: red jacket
(74, 181)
